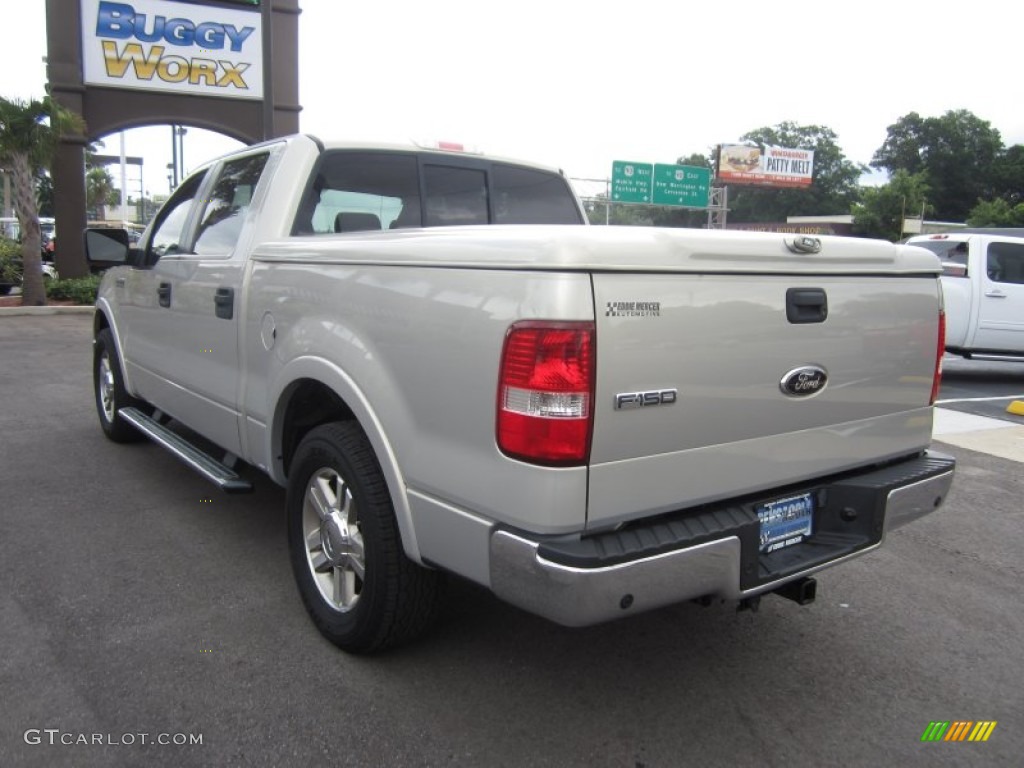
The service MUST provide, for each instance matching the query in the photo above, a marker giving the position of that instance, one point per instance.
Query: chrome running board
(216, 472)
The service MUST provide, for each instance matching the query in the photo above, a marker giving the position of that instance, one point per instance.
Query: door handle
(164, 293)
(224, 303)
(995, 294)
(806, 305)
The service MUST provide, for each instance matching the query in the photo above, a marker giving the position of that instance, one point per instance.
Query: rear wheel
(360, 589)
(111, 396)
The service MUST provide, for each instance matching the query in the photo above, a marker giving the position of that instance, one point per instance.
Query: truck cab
(983, 286)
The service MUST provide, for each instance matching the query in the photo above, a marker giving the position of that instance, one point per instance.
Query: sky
(577, 85)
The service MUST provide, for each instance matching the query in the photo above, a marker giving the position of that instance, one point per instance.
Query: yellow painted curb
(1016, 408)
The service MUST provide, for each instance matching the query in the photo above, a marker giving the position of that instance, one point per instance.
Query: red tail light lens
(546, 392)
(939, 352)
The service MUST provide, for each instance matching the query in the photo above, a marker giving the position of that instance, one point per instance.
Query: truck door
(144, 314)
(1001, 301)
(191, 294)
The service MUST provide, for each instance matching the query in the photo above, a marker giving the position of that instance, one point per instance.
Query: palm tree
(29, 135)
(99, 186)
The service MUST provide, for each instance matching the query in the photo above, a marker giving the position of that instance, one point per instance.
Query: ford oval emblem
(804, 382)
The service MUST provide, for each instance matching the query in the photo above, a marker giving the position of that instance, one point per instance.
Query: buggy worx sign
(173, 46)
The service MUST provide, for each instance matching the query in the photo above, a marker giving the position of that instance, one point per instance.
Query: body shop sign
(771, 167)
(160, 45)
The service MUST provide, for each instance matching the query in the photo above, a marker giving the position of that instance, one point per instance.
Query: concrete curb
(47, 310)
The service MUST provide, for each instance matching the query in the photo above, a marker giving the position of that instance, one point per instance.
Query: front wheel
(111, 396)
(360, 589)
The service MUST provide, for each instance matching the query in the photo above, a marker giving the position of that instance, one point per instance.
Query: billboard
(162, 45)
(770, 167)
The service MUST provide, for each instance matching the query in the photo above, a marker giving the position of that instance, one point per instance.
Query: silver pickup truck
(452, 374)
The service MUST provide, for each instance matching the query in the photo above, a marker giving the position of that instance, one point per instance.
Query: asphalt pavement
(139, 605)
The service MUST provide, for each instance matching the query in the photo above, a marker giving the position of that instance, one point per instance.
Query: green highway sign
(685, 185)
(681, 185)
(631, 182)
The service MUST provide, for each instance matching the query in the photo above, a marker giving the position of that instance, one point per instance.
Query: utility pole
(174, 157)
(180, 131)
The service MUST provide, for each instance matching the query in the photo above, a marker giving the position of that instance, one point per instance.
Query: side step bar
(216, 472)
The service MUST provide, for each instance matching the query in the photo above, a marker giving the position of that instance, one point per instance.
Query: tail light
(546, 392)
(939, 352)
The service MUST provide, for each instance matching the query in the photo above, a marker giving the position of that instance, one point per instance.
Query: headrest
(356, 222)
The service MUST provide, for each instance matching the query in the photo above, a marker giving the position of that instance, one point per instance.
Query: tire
(111, 396)
(362, 592)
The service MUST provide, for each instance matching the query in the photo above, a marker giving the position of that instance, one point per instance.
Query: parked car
(11, 273)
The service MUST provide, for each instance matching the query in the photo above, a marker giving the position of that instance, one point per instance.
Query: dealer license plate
(785, 522)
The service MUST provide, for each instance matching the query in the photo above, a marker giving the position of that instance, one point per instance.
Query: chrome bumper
(581, 596)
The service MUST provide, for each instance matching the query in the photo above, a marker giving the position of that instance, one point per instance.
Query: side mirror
(953, 269)
(106, 248)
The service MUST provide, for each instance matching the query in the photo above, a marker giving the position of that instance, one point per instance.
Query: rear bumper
(710, 552)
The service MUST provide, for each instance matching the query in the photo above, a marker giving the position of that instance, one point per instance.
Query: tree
(997, 213)
(835, 186)
(44, 194)
(99, 187)
(905, 147)
(29, 133)
(621, 214)
(881, 210)
(1008, 175)
(957, 152)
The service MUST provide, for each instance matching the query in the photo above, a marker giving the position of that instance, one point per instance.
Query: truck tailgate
(689, 403)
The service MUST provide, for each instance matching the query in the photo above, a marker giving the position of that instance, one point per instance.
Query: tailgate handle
(224, 302)
(164, 293)
(806, 305)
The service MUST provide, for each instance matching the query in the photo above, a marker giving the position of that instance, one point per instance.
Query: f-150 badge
(625, 400)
